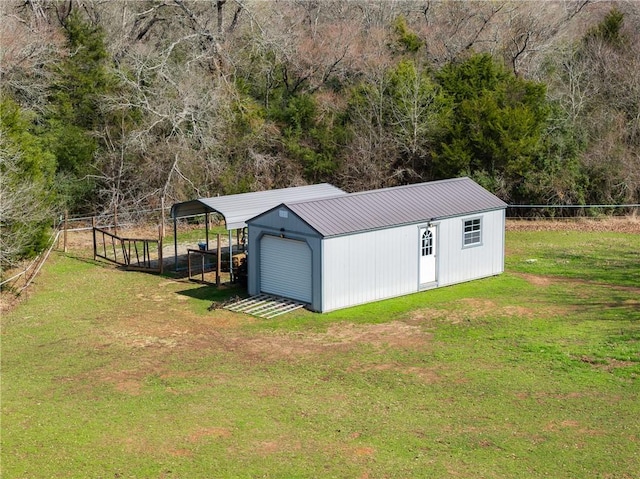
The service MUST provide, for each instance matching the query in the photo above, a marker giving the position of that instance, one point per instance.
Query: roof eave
(409, 223)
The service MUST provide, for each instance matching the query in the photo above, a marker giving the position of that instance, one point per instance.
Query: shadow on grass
(600, 301)
(616, 267)
(215, 293)
(89, 260)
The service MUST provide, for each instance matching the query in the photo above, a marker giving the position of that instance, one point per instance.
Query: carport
(237, 209)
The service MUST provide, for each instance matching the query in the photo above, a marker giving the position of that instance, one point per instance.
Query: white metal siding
(458, 263)
(369, 266)
(285, 268)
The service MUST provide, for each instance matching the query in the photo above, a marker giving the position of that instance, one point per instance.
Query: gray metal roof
(237, 209)
(395, 206)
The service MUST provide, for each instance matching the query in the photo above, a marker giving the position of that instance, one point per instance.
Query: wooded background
(110, 103)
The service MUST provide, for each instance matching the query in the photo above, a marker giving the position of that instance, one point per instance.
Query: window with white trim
(472, 235)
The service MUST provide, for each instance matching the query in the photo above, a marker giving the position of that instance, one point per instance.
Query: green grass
(533, 373)
(610, 258)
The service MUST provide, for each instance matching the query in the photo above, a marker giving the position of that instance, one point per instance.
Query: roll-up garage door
(285, 268)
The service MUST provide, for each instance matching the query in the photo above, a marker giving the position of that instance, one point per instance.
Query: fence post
(115, 219)
(206, 228)
(188, 262)
(95, 244)
(202, 261)
(161, 235)
(162, 230)
(66, 221)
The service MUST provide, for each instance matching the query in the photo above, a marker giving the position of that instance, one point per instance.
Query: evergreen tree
(26, 185)
(497, 125)
(81, 80)
(312, 139)
(609, 30)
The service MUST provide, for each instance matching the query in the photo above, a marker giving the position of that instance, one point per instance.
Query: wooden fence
(132, 253)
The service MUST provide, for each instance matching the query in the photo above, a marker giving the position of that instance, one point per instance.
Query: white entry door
(428, 249)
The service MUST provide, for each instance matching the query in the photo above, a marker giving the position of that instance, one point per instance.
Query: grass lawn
(534, 373)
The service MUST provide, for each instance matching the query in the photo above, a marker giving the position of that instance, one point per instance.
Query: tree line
(118, 103)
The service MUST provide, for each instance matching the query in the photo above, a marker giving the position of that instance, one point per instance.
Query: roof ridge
(378, 190)
(395, 206)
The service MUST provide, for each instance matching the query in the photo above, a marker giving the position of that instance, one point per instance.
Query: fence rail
(135, 253)
(121, 218)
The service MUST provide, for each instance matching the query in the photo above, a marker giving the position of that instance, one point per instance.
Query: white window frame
(473, 236)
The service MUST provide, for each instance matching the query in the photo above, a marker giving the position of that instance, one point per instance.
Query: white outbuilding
(350, 249)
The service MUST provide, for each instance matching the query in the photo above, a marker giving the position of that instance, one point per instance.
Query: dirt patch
(181, 453)
(519, 311)
(609, 364)
(206, 432)
(471, 309)
(268, 448)
(339, 337)
(134, 339)
(8, 301)
(427, 375)
(395, 334)
(364, 451)
(125, 381)
(540, 280)
(572, 425)
(627, 224)
(270, 392)
(474, 308)
(535, 279)
(132, 387)
(153, 341)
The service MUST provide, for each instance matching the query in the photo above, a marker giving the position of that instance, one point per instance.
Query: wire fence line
(122, 218)
(27, 275)
(63, 224)
(128, 218)
(569, 212)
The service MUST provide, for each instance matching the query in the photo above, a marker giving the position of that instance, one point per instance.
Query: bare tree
(21, 207)
(31, 45)
(596, 83)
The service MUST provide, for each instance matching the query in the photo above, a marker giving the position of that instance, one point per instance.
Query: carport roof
(237, 209)
(370, 210)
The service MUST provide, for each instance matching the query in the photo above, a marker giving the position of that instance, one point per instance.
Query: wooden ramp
(265, 306)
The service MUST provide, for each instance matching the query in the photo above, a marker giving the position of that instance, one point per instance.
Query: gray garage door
(285, 268)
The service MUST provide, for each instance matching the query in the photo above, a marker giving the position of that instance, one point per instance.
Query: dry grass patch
(340, 337)
(626, 224)
(474, 309)
(545, 281)
(395, 334)
(426, 375)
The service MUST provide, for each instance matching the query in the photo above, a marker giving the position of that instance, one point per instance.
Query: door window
(427, 243)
